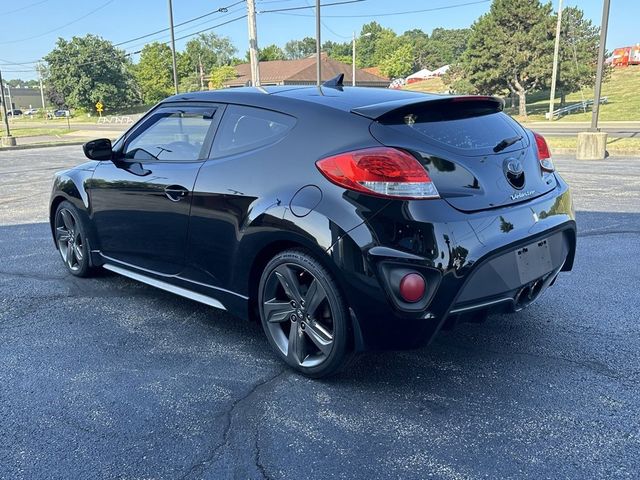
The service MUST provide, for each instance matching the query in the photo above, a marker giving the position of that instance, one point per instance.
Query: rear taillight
(544, 154)
(381, 171)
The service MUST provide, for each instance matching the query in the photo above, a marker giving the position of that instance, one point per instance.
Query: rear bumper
(469, 261)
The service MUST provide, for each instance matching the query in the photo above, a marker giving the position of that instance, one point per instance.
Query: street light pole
(601, 50)
(173, 48)
(41, 87)
(353, 61)
(556, 49)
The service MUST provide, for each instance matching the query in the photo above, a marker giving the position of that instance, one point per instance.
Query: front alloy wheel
(71, 239)
(303, 314)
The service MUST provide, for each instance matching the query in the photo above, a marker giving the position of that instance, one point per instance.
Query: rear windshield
(468, 130)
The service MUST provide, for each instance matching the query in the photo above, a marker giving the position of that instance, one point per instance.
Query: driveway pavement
(108, 378)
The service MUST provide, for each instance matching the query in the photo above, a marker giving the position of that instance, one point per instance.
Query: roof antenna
(335, 82)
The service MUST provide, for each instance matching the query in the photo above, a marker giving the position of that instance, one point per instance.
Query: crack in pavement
(228, 415)
(256, 458)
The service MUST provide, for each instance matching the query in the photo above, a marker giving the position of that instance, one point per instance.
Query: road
(566, 129)
(108, 378)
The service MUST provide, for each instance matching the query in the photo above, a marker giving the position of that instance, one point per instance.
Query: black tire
(304, 315)
(72, 240)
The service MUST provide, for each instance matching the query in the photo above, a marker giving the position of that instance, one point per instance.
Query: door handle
(175, 193)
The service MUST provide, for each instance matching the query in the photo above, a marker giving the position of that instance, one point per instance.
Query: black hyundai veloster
(344, 219)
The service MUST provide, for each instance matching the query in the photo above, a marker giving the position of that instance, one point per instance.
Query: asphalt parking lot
(108, 378)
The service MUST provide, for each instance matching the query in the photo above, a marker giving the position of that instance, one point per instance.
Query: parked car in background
(31, 111)
(61, 113)
(16, 112)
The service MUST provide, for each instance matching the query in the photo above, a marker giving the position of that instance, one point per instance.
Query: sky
(30, 28)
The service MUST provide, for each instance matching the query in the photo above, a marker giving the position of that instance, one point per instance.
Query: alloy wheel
(298, 315)
(69, 239)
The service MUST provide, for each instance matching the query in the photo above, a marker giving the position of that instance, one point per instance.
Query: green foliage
(295, 49)
(219, 75)
(373, 44)
(85, 70)
(19, 83)
(154, 72)
(510, 48)
(398, 63)
(208, 51)
(338, 51)
(268, 53)
(578, 57)
(457, 82)
(445, 47)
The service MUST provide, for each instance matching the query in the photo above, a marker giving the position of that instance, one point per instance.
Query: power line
(128, 54)
(60, 27)
(34, 4)
(277, 10)
(387, 14)
(224, 10)
(218, 10)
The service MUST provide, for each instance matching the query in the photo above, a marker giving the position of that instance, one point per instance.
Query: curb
(29, 146)
(611, 153)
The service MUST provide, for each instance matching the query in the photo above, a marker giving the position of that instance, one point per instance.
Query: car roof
(343, 98)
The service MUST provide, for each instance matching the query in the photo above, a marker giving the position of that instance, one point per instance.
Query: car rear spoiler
(385, 110)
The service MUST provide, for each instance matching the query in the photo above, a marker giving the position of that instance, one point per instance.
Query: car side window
(247, 128)
(172, 135)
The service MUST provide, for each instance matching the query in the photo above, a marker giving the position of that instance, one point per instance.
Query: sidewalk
(76, 137)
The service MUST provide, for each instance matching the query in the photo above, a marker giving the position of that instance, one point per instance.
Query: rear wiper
(507, 142)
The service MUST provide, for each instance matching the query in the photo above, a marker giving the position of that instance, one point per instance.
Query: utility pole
(9, 140)
(601, 50)
(318, 46)
(353, 61)
(556, 50)
(41, 87)
(173, 48)
(254, 58)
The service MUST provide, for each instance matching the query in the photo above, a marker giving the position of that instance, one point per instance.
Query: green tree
(295, 49)
(399, 63)
(419, 40)
(84, 70)
(19, 83)
(578, 57)
(154, 72)
(511, 47)
(219, 75)
(445, 47)
(203, 53)
(268, 53)
(340, 51)
(369, 49)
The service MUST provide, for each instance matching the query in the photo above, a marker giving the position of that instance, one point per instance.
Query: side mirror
(98, 149)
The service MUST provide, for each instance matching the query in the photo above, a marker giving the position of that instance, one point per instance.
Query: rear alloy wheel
(71, 240)
(303, 314)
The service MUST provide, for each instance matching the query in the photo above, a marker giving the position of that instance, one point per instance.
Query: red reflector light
(544, 154)
(412, 287)
(381, 171)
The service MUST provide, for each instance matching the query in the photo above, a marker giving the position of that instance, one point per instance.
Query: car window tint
(467, 130)
(246, 128)
(173, 136)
